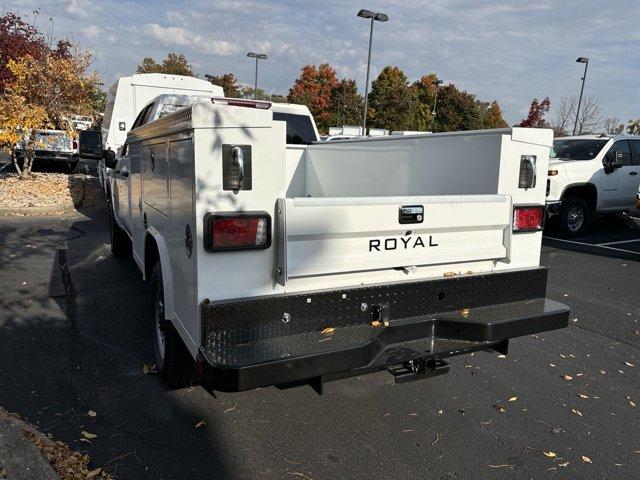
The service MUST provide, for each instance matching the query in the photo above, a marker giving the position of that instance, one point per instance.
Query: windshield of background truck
(299, 128)
(586, 149)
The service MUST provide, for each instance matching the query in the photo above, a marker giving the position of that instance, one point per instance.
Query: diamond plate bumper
(276, 340)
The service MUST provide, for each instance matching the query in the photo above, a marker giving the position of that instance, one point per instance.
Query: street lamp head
(366, 13)
(381, 17)
(261, 56)
(438, 82)
(582, 60)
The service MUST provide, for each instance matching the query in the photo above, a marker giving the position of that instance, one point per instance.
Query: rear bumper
(51, 155)
(271, 341)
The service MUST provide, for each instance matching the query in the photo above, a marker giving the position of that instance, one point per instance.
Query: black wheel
(120, 241)
(72, 166)
(575, 216)
(173, 361)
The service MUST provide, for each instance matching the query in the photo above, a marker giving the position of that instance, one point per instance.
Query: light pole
(437, 83)
(584, 60)
(257, 56)
(373, 16)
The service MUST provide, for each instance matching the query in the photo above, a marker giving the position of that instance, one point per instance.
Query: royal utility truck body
(273, 263)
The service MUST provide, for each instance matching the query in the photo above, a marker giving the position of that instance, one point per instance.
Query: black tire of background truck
(574, 217)
(72, 166)
(120, 241)
(176, 367)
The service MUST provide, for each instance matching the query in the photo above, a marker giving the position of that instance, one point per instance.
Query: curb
(21, 459)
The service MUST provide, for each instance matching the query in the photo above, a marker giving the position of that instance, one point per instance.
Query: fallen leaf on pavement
(513, 399)
(563, 464)
(586, 459)
(201, 423)
(146, 369)
(88, 435)
(91, 413)
(582, 395)
(629, 364)
(568, 378)
(499, 408)
(577, 412)
(550, 454)
(327, 330)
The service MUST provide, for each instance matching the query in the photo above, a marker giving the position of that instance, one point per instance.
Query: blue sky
(510, 50)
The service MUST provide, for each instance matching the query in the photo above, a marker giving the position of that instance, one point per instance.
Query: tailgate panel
(337, 235)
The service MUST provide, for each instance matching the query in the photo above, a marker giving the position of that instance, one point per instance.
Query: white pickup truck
(589, 175)
(276, 260)
(51, 146)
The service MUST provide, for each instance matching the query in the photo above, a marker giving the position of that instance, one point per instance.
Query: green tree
(457, 110)
(173, 64)
(247, 92)
(229, 84)
(426, 91)
(633, 127)
(491, 115)
(346, 103)
(393, 104)
(314, 88)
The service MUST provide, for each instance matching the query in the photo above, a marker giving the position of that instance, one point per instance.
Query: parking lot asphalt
(565, 404)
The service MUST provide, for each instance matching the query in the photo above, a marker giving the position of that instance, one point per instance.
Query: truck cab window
(140, 117)
(299, 128)
(635, 146)
(623, 152)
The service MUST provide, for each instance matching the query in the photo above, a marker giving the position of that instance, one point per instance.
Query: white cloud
(81, 8)
(178, 36)
(92, 31)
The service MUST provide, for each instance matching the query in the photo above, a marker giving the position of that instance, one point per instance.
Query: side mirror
(90, 144)
(610, 162)
(110, 159)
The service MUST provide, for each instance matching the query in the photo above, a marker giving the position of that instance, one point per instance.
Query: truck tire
(574, 217)
(173, 361)
(120, 241)
(72, 166)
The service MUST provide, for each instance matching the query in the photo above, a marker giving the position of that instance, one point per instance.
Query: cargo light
(75, 144)
(237, 231)
(528, 218)
(527, 171)
(241, 102)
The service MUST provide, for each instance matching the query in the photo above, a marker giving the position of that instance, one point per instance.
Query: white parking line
(592, 245)
(617, 243)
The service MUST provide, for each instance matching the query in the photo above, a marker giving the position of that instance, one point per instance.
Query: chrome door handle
(238, 160)
(633, 173)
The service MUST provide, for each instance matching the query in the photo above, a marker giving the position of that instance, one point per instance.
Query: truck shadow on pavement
(73, 340)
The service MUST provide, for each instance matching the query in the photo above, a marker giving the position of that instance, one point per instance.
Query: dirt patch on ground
(49, 190)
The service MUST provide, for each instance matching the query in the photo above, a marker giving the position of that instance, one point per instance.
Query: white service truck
(274, 263)
(129, 96)
(589, 175)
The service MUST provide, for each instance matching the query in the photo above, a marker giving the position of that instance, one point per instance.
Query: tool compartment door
(324, 236)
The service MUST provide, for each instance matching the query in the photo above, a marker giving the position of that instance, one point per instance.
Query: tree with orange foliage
(43, 93)
(314, 88)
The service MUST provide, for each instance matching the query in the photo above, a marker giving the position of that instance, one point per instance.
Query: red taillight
(75, 144)
(528, 219)
(237, 232)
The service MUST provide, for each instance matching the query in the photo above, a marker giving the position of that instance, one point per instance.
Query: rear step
(418, 369)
